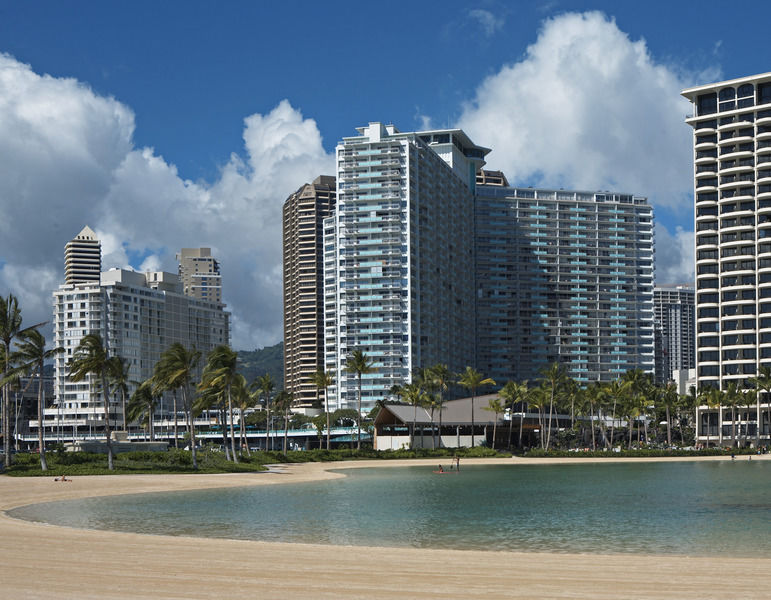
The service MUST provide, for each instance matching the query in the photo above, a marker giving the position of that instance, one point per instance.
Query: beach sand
(45, 561)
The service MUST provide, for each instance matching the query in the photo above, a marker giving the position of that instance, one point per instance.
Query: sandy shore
(44, 561)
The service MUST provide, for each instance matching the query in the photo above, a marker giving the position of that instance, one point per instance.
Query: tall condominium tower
(674, 309)
(399, 257)
(562, 276)
(200, 274)
(83, 258)
(732, 183)
(303, 217)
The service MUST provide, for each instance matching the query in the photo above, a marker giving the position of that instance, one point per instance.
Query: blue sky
(147, 111)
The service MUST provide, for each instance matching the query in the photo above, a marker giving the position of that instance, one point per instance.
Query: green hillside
(253, 363)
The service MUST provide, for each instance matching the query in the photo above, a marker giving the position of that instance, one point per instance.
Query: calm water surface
(681, 508)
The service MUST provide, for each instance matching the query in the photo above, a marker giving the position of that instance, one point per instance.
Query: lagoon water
(705, 508)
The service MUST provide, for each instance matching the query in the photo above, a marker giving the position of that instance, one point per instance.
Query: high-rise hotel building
(398, 271)
(562, 276)
(732, 183)
(138, 316)
(303, 218)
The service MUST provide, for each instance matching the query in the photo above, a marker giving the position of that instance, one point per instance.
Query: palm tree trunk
(232, 429)
(440, 422)
(669, 428)
(174, 408)
(150, 422)
(613, 425)
(358, 419)
(286, 427)
(591, 424)
(106, 397)
(433, 433)
(40, 431)
(123, 403)
(188, 405)
(414, 424)
(495, 429)
(733, 426)
(522, 422)
(224, 427)
(551, 411)
(326, 409)
(267, 429)
(473, 425)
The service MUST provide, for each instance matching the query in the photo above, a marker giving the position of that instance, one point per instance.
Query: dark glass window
(728, 93)
(707, 103)
(764, 93)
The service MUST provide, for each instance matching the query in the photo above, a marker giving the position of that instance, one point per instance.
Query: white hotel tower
(398, 257)
(732, 182)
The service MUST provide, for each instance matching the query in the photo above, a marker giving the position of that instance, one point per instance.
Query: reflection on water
(683, 508)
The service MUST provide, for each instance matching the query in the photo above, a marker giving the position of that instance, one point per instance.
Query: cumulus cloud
(586, 107)
(488, 22)
(589, 108)
(674, 255)
(67, 158)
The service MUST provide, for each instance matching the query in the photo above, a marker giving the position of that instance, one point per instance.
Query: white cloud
(67, 159)
(674, 255)
(489, 23)
(586, 107)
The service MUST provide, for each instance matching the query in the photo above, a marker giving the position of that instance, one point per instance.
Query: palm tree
(175, 370)
(92, 358)
(322, 380)
(669, 398)
(32, 351)
(160, 387)
(283, 403)
(142, 405)
(472, 380)
(359, 364)
(496, 406)
(509, 394)
(264, 384)
(220, 372)
(414, 394)
(10, 329)
(442, 378)
(553, 379)
(713, 398)
(119, 380)
(762, 383)
(243, 400)
(636, 382)
(733, 397)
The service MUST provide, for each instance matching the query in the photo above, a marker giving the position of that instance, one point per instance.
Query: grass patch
(143, 462)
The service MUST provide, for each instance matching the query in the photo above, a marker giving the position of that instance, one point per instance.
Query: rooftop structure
(83, 258)
(200, 274)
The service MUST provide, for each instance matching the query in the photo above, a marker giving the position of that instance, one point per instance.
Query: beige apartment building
(200, 274)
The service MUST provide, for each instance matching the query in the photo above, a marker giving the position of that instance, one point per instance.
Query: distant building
(732, 185)
(138, 316)
(200, 274)
(303, 235)
(83, 258)
(674, 311)
(399, 281)
(562, 276)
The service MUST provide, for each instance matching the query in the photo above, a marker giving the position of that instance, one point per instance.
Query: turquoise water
(680, 508)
